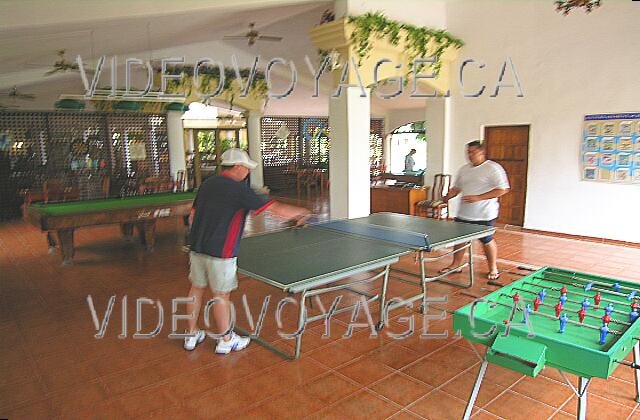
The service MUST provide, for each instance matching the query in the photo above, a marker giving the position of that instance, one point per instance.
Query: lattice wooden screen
(376, 139)
(293, 143)
(78, 150)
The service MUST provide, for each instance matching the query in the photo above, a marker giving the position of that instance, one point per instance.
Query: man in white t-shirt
(480, 182)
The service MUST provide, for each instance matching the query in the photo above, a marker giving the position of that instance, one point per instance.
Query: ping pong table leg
(476, 389)
(301, 323)
(423, 280)
(471, 264)
(383, 296)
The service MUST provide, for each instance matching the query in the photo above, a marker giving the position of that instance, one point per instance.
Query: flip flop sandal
(493, 276)
(448, 270)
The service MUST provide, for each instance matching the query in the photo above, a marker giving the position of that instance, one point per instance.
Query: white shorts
(218, 273)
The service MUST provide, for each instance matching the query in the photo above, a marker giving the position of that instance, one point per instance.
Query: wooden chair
(150, 185)
(154, 184)
(436, 207)
(57, 190)
(180, 178)
(307, 180)
(323, 177)
(291, 176)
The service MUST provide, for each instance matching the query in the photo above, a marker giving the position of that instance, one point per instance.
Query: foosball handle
(630, 364)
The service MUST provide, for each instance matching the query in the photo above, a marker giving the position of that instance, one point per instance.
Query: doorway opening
(402, 140)
(509, 146)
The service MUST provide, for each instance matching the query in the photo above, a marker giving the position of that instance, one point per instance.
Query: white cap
(237, 157)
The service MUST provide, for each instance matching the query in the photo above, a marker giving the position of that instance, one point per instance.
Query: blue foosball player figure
(542, 294)
(609, 309)
(563, 322)
(527, 313)
(604, 330)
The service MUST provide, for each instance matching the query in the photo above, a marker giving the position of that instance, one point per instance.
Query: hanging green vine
(208, 84)
(210, 80)
(421, 42)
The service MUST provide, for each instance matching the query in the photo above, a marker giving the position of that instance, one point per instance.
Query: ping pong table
(311, 260)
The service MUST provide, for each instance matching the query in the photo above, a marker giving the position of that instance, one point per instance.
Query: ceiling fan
(61, 64)
(13, 93)
(253, 35)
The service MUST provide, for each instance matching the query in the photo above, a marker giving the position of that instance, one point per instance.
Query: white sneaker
(190, 343)
(236, 343)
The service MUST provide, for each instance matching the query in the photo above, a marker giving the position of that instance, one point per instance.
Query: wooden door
(509, 146)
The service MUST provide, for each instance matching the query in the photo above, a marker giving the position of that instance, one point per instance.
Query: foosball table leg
(476, 389)
(582, 398)
(636, 372)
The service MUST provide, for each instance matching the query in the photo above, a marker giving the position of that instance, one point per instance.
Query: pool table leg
(127, 230)
(147, 233)
(51, 241)
(65, 238)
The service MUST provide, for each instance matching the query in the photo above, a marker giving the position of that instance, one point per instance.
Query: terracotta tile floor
(52, 366)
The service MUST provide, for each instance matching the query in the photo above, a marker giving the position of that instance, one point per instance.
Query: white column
(254, 133)
(435, 130)
(175, 137)
(448, 151)
(349, 118)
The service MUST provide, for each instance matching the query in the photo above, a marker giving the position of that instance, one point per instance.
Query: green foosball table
(140, 212)
(578, 323)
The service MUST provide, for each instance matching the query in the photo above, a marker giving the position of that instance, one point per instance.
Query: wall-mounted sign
(610, 148)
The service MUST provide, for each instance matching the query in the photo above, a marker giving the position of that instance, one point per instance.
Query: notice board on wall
(610, 148)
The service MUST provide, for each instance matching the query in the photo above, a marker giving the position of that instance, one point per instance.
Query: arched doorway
(402, 140)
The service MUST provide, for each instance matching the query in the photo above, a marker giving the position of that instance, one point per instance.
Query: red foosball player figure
(558, 309)
(606, 319)
(597, 299)
(516, 298)
(581, 314)
(563, 290)
(536, 303)
(635, 306)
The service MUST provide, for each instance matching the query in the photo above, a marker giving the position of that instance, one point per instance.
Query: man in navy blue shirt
(218, 217)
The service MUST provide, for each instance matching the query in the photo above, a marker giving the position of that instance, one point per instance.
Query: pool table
(139, 211)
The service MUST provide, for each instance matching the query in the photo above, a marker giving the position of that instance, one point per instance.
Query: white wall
(417, 12)
(300, 102)
(435, 123)
(395, 118)
(568, 66)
